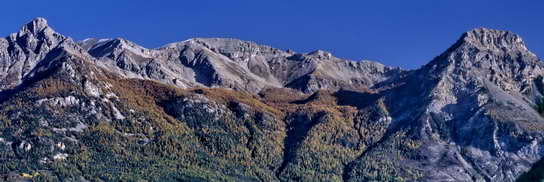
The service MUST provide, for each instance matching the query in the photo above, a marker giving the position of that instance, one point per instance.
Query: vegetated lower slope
(108, 128)
(230, 110)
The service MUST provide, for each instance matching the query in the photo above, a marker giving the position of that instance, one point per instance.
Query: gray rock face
(21, 52)
(472, 109)
(236, 64)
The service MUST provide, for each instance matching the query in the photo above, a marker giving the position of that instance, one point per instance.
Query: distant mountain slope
(210, 109)
(236, 64)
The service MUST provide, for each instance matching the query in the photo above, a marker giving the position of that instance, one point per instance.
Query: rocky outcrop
(21, 52)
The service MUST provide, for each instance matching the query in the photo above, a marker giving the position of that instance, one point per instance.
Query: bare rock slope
(236, 64)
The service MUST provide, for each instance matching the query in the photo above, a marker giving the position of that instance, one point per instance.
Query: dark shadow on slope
(319, 97)
(27, 82)
(300, 83)
(391, 130)
(355, 99)
(204, 72)
(297, 131)
(535, 174)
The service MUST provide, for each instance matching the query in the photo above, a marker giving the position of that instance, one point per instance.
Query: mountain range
(216, 109)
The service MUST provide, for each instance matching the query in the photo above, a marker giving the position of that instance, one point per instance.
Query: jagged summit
(108, 46)
(321, 54)
(484, 49)
(36, 25)
(33, 45)
(491, 39)
(37, 30)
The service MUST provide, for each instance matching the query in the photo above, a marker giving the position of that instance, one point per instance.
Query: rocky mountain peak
(113, 47)
(35, 43)
(486, 49)
(34, 32)
(490, 39)
(35, 26)
(235, 48)
(321, 54)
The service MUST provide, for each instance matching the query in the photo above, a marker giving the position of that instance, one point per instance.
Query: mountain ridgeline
(213, 109)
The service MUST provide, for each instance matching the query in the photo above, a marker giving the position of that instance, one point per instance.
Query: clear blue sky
(397, 33)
